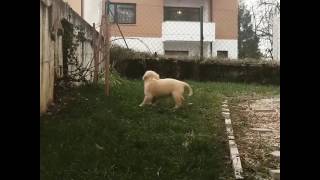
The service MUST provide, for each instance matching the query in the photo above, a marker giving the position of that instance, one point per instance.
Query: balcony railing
(187, 31)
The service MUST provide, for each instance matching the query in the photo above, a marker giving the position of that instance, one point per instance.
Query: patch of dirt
(255, 146)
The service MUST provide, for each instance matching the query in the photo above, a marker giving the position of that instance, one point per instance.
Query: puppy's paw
(176, 108)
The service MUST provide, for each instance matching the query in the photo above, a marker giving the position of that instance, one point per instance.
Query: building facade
(170, 27)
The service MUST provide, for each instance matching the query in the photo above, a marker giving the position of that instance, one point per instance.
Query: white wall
(226, 45)
(92, 12)
(141, 44)
(276, 38)
(47, 58)
(157, 45)
(192, 47)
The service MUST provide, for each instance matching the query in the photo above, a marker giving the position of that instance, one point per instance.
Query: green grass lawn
(99, 137)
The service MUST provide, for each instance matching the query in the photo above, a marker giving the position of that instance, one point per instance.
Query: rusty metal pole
(107, 51)
(201, 33)
(95, 56)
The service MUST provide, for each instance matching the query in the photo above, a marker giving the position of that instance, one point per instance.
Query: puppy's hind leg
(154, 101)
(178, 100)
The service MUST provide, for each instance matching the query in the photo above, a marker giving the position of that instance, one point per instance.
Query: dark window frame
(174, 7)
(222, 55)
(171, 53)
(115, 16)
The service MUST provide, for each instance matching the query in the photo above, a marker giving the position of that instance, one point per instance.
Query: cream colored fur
(155, 87)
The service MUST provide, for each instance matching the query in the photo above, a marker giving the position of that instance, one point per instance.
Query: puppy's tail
(189, 88)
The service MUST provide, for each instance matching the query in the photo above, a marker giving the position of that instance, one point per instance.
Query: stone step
(263, 130)
(276, 154)
(264, 110)
(227, 121)
(225, 110)
(229, 130)
(226, 115)
(275, 174)
(224, 105)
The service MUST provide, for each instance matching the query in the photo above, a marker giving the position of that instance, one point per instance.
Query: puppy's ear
(157, 76)
(144, 76)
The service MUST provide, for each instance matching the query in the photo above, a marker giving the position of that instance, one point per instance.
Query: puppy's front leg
(143, 102)
(146, 100)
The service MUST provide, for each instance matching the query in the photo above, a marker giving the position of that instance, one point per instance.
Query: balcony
(187, 31)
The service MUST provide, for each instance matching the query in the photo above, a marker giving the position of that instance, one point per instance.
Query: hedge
(220, 70)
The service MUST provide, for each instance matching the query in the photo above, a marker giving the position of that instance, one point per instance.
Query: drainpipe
(211, 20)
(82, 8)
(201, 33)
(210, 9)
(210, 49)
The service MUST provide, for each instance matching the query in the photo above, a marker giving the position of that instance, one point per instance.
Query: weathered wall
(75, 5)
(51, 53)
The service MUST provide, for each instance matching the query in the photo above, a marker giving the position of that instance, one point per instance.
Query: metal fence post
(107, 36)
(201, 33)
(95, 56)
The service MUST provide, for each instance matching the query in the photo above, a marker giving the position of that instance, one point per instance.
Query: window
(122, 13)
(176, 53)
(222, 54)
(181, 14)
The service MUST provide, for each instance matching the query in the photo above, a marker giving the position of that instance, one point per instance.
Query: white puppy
(155, 87)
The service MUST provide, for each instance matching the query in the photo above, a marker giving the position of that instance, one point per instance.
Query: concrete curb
(234, 153)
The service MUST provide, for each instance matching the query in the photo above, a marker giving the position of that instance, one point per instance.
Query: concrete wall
(142, 44)
(230, 45)
(75, 5)
(51, 53)
(192, 47)
(46, 60)
(276, 38)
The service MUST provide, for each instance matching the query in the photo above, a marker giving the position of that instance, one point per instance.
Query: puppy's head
(150, 75)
